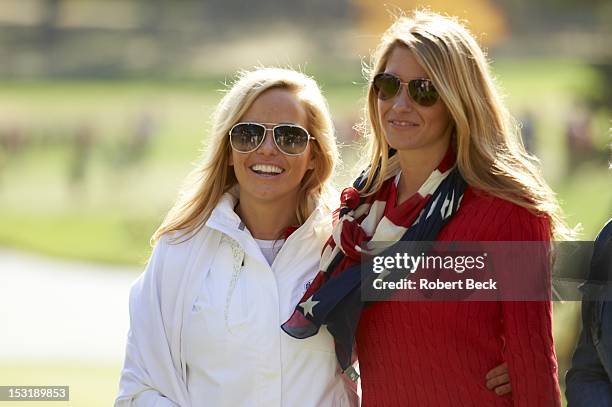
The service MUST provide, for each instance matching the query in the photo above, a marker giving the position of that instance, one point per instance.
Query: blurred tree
(48, 22)
(151, 25)
(483, 17)
(151, 16)
(49, 33)
(303, 12)
(56, 37)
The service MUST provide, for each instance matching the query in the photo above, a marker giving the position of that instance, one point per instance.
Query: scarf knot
(349, 198)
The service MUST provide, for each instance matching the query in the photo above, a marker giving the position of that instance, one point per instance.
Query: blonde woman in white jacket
(233, 257)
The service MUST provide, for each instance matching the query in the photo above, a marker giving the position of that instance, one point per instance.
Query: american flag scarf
(334, 297)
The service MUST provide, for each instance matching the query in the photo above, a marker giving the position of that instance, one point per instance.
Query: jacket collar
(223, 217)
(225, 220)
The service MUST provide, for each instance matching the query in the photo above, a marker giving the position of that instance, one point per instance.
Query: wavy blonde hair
(212, 177)
(490, 153)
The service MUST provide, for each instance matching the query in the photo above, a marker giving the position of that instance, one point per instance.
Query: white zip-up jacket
(205, 322)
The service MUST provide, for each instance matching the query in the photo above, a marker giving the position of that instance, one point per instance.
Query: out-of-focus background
(104, 105)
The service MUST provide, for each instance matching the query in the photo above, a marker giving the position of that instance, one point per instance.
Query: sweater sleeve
(527, 325)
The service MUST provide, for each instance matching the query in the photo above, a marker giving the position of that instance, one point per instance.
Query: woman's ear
(313, 151)
(311, 163)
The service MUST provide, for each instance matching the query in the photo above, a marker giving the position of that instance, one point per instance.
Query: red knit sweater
(438, 353)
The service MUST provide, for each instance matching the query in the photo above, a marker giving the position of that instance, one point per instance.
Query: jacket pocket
(221, 308)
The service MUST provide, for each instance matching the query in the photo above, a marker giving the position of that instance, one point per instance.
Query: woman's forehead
(276, 106)
(403, 63)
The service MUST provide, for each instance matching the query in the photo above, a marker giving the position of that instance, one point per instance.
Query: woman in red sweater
(445, 163)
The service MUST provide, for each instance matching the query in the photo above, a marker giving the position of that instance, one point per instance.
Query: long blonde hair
(490, 154)
(210, 179)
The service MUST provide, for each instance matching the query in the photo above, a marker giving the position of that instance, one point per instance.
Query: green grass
(100, 237)
(90, 385)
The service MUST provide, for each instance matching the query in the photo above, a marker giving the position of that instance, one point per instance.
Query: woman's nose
(402, 100)
(268, 146)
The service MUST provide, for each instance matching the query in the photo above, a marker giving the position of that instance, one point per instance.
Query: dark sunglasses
(290, 139)
(421, 91)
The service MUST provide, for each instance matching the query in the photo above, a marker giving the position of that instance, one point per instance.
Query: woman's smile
(267, 170)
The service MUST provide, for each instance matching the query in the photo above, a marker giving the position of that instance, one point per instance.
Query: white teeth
(402, 123)
(267, 169)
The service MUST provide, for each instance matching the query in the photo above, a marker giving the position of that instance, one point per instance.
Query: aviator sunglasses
(290, 139)
(421, 91)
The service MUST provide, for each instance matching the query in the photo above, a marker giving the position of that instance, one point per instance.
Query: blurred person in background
(588, 381)
(233, 256)
(445, 163)
(528, 132)
(579, 137)
(83, 143)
